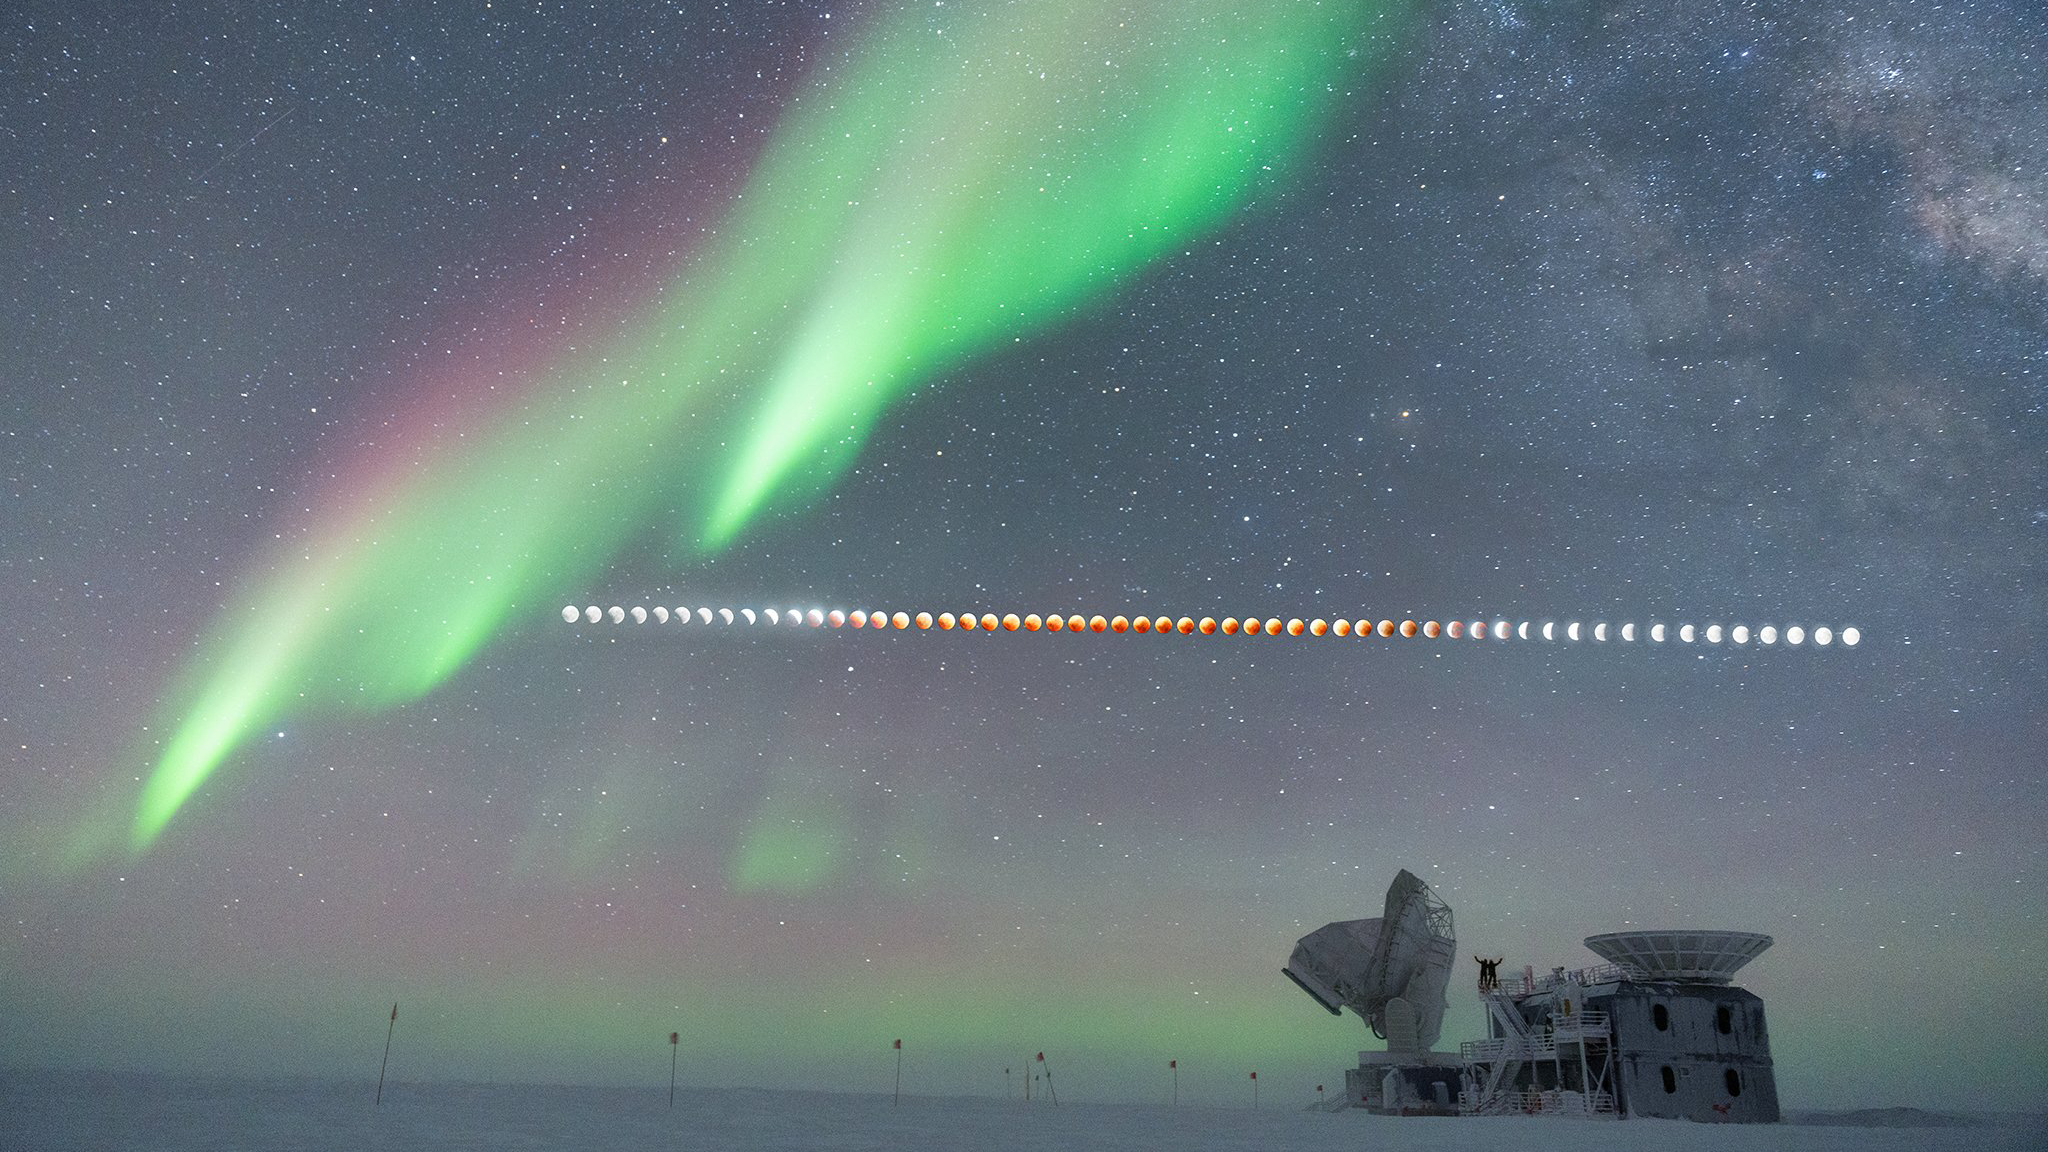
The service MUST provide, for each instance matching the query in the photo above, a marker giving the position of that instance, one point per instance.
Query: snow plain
(63, 1111)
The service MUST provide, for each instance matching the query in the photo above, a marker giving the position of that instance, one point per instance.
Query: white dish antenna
(1691, 957)
(1405, 954)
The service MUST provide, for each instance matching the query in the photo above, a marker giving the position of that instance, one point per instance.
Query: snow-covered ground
(55, 1111)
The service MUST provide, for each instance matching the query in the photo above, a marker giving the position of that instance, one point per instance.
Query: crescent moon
(1657, 633)
(1685, 633)
(704, 615)
(1600, 632)
(1550, 629)
(1628, 632)
(1572, 632)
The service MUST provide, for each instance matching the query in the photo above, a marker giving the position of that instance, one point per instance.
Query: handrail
(1585, 1024)
(1529, 984)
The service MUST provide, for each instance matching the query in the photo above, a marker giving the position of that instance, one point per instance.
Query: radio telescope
(1391, 970)
(1690, 957)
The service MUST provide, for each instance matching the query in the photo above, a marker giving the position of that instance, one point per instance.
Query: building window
(1661, 1017)
(1734, 1082)
(1670, 1080)
(1724, 1019)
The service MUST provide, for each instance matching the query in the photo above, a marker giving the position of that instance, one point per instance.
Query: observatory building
(1658, 1030)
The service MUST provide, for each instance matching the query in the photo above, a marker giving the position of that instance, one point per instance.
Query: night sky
(343, 345)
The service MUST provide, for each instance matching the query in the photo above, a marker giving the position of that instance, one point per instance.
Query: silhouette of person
(1489, 972)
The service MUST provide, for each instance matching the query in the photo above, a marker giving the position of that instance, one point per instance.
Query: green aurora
(962, 180)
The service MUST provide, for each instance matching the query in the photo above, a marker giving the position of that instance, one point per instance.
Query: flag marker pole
(1175, 1065)
(899, 1073)
(389, 1029)
(674, 1041)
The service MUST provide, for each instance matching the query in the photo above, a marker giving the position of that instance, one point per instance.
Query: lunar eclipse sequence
(1765, 635)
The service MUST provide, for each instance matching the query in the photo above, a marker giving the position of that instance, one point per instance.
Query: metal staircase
(1578, 1042)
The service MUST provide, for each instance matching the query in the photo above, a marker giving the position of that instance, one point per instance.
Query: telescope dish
(1404, 954)
(1692, 957)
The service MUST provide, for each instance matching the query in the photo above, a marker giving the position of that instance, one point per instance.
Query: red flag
(1255, 1075)
(1173, 1063)
(673, 1038)
(899, 1044)
(1041, 1057)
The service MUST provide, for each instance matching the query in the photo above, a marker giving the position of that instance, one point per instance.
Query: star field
(1610, 311)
